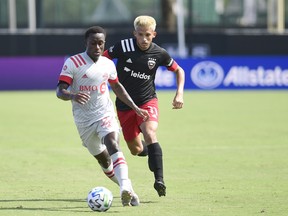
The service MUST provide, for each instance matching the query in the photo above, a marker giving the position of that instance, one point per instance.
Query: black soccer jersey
(137, 69)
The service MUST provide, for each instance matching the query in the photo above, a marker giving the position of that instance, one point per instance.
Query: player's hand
(142, 113)
(177, 102)
(82, 97)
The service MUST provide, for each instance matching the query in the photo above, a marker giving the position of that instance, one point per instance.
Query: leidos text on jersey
(140, 75)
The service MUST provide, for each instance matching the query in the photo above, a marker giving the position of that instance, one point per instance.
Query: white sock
(109, 172)
(121, 170)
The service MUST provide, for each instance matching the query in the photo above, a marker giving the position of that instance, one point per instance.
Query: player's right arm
(64, 94)
(65, 80)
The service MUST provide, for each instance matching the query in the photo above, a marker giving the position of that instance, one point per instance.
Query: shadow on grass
(81, 208)
(43, 200)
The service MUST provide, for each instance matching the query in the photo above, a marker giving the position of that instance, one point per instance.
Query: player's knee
(135, 146)
(150, 136)
(113, 148)
(135, 150)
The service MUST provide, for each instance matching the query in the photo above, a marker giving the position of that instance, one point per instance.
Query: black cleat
(160, 188)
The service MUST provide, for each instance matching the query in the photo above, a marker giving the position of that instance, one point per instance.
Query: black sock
(145, 150)
(155, 160)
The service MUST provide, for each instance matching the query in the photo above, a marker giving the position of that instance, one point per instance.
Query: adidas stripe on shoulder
(78, 60)
(127, 45)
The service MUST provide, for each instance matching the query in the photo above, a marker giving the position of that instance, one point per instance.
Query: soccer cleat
(135, 200)
(160, 188)
(126, 198)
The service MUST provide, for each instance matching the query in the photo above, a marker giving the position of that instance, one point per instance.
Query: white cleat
(135, 200)
(126, 197)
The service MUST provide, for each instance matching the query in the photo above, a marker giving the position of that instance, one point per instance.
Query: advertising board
(233, 72)
(213, 73)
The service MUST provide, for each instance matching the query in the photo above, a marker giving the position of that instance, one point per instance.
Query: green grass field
(225, 154)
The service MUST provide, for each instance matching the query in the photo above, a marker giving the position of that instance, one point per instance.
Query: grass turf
(225, 154)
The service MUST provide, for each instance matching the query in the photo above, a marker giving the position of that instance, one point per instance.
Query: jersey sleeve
(169, 62)
(106, 54)
(66, 74)
(113, 51)
(113, 77)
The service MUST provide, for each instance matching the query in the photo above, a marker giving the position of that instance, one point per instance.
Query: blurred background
(190, 30)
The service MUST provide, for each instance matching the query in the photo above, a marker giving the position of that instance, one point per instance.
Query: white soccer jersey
(84, 75)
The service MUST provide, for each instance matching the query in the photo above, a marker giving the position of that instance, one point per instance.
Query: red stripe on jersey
(173, 67)
(78, 60)
(72, 58)
(66, 79)
(81, 58)
(113, 81)
(106, 54)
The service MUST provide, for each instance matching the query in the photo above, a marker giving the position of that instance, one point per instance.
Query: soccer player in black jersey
(137, 62)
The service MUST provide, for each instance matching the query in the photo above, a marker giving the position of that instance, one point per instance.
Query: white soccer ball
(100, 199)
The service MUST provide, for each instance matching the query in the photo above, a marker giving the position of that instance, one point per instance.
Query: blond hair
(145, 21)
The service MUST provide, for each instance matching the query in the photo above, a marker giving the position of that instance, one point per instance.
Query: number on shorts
(153, 111)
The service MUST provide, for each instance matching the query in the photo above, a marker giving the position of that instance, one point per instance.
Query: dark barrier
(217, 44)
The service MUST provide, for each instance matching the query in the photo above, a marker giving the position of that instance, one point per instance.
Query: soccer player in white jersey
(83, 80)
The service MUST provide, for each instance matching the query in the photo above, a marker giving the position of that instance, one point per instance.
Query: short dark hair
(94, 30)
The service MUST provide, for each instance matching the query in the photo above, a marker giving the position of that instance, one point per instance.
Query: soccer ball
(100, 199)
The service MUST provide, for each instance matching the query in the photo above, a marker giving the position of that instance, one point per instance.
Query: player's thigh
(91, 140)
(106, 126)
(153, 110)
(129, 124)
(149, 130)
(108, 131)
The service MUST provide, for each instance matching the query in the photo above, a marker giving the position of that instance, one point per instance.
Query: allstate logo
(207, 74)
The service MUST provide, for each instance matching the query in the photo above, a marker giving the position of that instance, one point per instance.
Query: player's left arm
(178, 100)
(123, 95)
(173, 66)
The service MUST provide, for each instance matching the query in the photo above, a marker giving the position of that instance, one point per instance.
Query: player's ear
(154, 34)
(134, 33)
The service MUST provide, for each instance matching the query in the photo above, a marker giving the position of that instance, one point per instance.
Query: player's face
(95, 45)
(144, 37)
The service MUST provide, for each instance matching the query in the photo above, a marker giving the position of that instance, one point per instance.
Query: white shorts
(93, 136)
